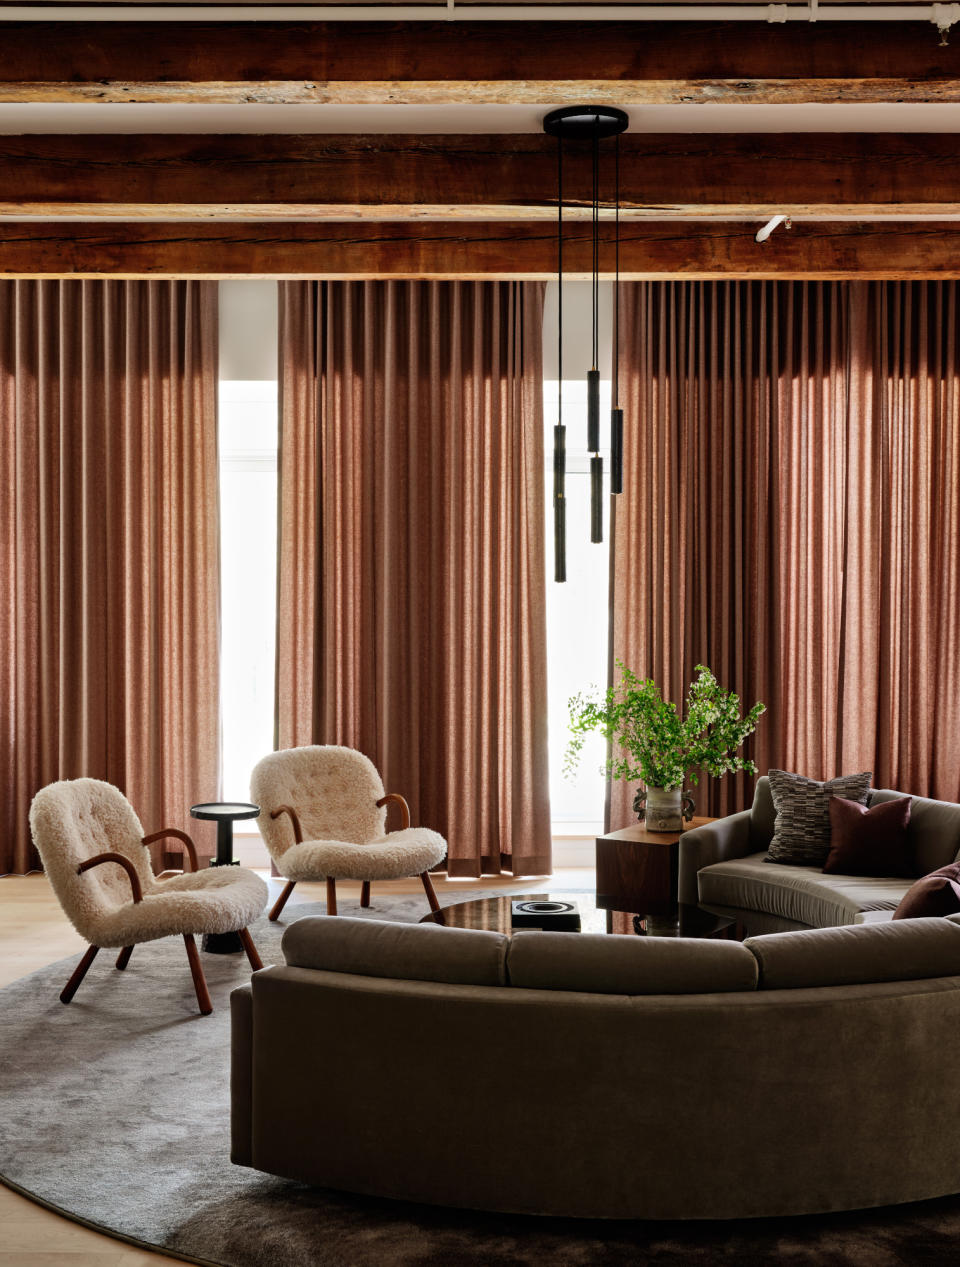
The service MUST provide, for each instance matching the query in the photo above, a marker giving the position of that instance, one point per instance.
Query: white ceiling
(126, 117)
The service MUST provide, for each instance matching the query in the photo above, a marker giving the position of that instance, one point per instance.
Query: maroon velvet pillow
(935, 894)
(869, 841)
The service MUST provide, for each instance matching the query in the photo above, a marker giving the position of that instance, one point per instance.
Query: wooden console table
(637, 869)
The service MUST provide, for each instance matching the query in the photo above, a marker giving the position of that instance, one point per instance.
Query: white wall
(248, 331)
(577, 341)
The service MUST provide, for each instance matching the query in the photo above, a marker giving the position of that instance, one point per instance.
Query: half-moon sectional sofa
(605, 1076)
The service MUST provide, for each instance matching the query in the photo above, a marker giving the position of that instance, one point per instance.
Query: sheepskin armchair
(323, 815)
(94, 853)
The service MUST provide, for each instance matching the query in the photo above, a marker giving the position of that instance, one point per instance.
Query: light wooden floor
(35, 932)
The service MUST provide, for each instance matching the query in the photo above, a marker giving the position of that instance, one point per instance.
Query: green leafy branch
(650, 741)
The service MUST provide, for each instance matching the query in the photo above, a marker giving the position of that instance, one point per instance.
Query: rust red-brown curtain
(791, 518)
(109, 555)
(411, 616)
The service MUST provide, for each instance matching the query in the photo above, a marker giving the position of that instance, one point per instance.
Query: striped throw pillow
(801, 833)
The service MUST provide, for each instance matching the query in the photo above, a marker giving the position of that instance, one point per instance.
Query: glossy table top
(225, 809)
(494, 913)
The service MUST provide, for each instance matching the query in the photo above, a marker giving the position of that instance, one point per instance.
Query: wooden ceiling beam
(428, 63)
(449, 251)
(509, 177)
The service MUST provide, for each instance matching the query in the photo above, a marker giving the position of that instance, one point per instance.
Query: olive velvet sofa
(722, 868)
(605, 1076)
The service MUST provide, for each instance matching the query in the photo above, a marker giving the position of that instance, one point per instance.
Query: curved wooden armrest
(127, 865)
(288, 809)
(404, 807)
(189, 848)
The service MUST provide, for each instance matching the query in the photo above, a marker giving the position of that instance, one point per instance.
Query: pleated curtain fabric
(109, 553)
(791, 518)
(411, 621)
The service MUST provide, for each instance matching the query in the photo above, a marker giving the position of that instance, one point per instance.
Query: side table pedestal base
(221, 943)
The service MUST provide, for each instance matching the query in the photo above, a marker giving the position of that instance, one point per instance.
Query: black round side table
(224, 814)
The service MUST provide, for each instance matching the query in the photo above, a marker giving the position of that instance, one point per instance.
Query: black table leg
(225, 842)
(223, 943)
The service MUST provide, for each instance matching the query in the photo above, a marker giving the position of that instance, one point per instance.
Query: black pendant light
(589, 124)
(616, 413)
(559, 431)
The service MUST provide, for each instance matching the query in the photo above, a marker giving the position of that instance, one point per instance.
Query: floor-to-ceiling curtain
(411, 620)
(791, 517)
(109, 555)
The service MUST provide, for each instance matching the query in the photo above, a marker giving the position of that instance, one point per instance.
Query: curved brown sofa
(605, 1076)
(723, 867)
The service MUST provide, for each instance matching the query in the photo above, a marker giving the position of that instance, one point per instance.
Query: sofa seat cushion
(605, 964)
(908, 950)
(407, 952)
(802, 894)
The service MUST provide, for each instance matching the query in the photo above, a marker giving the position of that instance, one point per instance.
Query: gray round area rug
(115, 1112)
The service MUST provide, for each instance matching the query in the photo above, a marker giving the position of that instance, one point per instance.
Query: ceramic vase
(663, 808)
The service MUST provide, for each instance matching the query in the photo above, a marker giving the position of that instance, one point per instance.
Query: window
(577, 613)
(248, 561)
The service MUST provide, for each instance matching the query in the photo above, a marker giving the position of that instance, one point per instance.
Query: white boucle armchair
(323, 817)
(95, 855)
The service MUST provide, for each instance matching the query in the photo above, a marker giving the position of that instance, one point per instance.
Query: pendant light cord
(559, 280)
(616, 277)
(596, 251)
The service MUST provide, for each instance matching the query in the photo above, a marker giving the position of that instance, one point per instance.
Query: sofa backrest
(592, 964)
(406, 952)
(762, 816)
(604, 964)
(933, 830)
(856, 954)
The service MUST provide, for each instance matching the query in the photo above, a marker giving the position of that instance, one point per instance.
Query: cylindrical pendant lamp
(593, 124)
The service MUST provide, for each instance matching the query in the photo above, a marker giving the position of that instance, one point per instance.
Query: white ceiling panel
(125, 117)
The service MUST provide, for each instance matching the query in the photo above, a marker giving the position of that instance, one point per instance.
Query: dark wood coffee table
(494, 913)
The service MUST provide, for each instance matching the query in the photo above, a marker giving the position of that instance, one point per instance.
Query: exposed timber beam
(623, 63)
(512, 177)
(501, 250)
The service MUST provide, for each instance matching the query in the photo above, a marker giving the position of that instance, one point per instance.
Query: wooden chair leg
(331, 895)
(430, 891)
(70, 989)
(365, 893)
(281, 901)
(124, 957)
(256, 963)
(196, 971)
